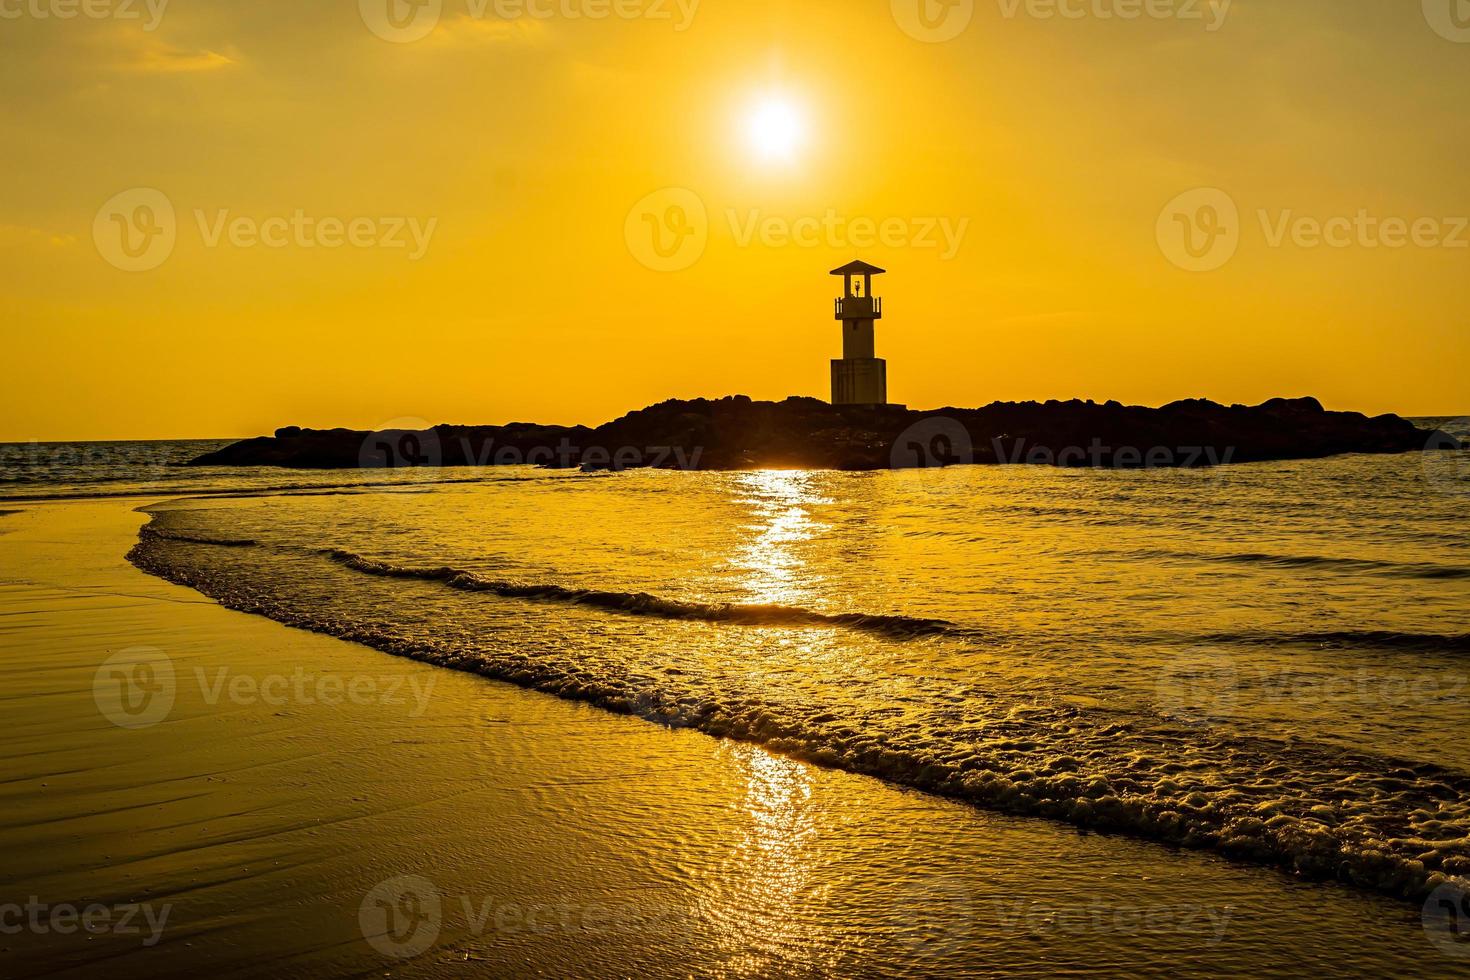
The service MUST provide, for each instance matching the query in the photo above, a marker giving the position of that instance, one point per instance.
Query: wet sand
(275, 802)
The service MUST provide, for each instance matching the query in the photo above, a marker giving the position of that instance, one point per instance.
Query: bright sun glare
(776, 130)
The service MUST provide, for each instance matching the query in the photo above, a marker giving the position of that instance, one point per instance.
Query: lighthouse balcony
(860, 308)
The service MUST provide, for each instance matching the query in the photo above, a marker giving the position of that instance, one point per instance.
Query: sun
(776, 129)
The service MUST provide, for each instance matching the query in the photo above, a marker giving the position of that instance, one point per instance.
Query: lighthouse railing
(859, 306)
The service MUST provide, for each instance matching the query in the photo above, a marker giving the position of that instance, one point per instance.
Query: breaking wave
(1312, 808)
(1350, 639)
(1348, 565)
(644, 604)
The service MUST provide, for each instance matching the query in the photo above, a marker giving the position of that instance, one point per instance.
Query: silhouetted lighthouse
(859, 378)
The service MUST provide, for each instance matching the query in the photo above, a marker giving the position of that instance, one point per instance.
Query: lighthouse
(859, 378)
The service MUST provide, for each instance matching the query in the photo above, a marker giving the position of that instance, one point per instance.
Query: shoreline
(598, 842)
(1247, 837)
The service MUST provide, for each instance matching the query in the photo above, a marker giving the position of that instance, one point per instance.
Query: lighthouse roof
(858, 268)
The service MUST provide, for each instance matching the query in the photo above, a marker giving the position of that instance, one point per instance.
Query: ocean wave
(1313, 809)
(1365, 565)
(239, 487)
(154, 531)
(1354, 639)
(644, 604)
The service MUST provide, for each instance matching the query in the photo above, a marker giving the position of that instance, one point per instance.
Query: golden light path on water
(773, 569)
(772, 883)
(1060, 687)
(766, 915)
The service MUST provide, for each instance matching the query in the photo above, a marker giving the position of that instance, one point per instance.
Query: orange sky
(1015, 178)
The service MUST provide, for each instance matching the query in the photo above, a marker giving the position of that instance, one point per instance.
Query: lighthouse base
(860, 381)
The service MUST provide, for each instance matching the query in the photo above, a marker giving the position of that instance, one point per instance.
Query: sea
(1267, 661)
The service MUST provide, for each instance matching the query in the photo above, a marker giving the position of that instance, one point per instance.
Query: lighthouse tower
(859, 378)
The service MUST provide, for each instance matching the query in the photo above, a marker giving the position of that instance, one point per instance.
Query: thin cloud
(468, 31)
(154, 57)
(13, 236)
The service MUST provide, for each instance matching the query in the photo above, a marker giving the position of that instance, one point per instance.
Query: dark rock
(805, 433)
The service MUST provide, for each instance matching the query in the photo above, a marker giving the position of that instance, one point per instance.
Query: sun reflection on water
(773, 564)
(770, 882)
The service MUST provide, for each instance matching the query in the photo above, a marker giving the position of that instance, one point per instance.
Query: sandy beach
(294, 805)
